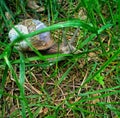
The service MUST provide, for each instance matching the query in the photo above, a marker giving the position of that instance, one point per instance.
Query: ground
(77, 85)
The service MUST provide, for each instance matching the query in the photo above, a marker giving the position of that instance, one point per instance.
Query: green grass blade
(64, 75)
(23, 100)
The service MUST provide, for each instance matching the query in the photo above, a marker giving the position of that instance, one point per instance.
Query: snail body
(41, 41)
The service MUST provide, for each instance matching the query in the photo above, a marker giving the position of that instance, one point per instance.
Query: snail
(41, 41)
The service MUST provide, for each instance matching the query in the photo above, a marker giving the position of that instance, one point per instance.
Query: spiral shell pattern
(41, 41)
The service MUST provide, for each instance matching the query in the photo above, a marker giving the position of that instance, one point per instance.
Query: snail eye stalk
(68, 45)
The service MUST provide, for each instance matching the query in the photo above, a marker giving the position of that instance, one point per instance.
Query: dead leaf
(33, 5)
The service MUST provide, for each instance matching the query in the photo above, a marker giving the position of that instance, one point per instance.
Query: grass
(84, 85)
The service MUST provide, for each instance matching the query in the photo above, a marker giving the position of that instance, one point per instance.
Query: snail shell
(42, 41)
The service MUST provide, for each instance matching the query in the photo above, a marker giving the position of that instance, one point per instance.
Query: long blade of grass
(4, 80)
(72, 23)
(22, 80)
(12, 70)
(65, 74)
(23, 100)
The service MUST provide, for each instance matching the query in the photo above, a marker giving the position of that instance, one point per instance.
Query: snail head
(67, 46)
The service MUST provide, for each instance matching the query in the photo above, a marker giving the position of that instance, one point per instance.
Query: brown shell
(42, 41)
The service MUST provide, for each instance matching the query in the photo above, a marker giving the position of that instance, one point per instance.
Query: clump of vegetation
(86, 84)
